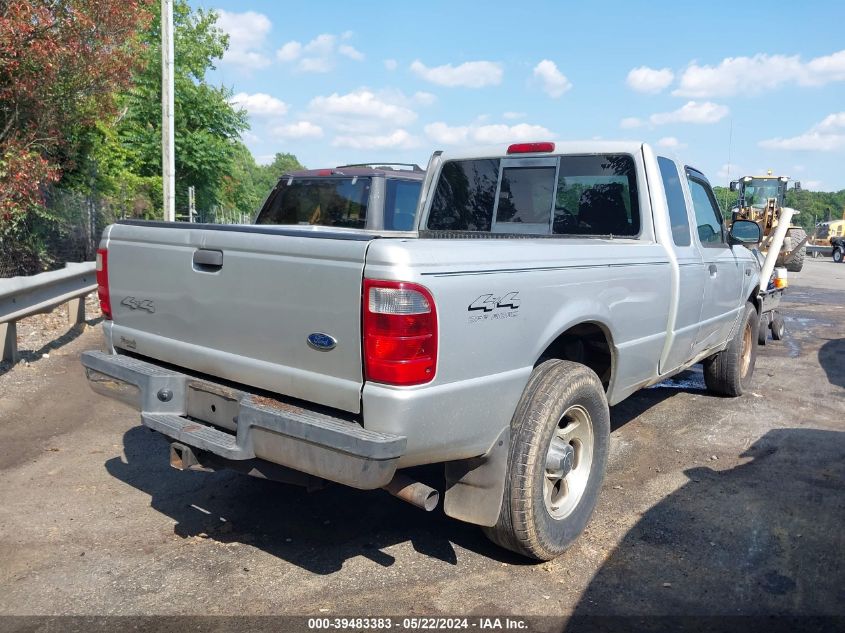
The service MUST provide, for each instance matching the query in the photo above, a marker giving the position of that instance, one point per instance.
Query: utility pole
(168, 162)
(192, 203)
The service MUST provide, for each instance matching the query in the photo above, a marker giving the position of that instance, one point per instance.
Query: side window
(597, 195)
(707, 215)
(675, 199)
(401, 204)
(465, 196)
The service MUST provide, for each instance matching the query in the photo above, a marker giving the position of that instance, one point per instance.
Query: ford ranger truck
(537, 284)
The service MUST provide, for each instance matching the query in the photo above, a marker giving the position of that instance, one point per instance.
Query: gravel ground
(710, 506)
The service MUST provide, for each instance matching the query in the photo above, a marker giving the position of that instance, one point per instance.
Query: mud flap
(475, 486)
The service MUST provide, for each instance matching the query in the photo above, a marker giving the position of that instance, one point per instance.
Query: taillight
(103, 282)
(400, 332)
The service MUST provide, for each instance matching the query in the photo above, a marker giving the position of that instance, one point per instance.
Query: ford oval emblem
(321, 342)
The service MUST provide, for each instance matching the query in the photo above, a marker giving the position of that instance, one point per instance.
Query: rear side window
(465, 196)
(675, 199)
(318, 201)
(400, 204)
(597, 195)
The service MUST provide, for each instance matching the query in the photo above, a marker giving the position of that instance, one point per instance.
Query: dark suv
(368, 196)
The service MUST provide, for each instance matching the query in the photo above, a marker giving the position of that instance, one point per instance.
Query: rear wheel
(796, 264)
(559, 440)
(728, 373)
(838, 255)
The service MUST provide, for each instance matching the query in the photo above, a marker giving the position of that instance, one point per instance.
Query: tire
(729, 372)
(778, 328)
(542, 514)
(838, 255)
(797, 262)
(763, 329)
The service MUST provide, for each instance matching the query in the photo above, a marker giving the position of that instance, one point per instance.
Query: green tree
(207, 126)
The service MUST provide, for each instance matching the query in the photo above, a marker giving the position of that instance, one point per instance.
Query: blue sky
(339, 82)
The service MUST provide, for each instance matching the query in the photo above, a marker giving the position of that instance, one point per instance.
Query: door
(691, 271)
(723, 270)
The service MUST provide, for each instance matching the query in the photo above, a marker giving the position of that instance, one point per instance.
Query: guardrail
(24, 296)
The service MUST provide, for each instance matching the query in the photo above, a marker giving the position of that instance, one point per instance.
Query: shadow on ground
(317, 531)
(832, 360)
(764, 537)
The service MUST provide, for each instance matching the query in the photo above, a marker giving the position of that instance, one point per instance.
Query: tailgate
(248, 320)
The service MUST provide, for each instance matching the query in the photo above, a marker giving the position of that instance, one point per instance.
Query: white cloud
(468, 75)
(692, 112)
(826, 136)
(320, 54)
(670, 142)
(424, 98)
(554, 82)
(301, 129)
(759, 73)
(444, 134)
(513, 115)
(631, 122)
(259, 104)
(391, 64)
(289, 51)
(649, 80)
(351, 52)
(247, 35)
(398, 139)
(363, 103)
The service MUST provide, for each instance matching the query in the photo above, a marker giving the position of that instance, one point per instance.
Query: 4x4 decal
(490, 302)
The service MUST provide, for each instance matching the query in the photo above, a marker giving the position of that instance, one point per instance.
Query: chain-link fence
(66, 229)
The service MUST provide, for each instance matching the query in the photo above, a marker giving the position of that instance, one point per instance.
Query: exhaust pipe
(414, 492)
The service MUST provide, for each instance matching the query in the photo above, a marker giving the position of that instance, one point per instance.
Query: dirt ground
(710, 506)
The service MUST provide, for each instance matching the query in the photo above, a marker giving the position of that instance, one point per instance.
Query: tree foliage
(207, 127)
(60, 63)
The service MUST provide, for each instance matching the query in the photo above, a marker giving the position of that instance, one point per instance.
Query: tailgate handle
(208, 261)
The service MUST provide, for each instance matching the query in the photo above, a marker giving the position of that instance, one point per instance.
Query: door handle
(713, 270)
(207, 261)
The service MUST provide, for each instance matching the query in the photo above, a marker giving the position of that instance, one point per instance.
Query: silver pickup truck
(539, 284)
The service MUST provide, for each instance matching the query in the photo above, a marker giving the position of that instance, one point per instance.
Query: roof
(359, 171)
(561, 147)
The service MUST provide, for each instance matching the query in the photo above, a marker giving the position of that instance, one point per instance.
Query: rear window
(400, 204)
(593, 195)
(318, 201)
(597, 195)
(465, 195)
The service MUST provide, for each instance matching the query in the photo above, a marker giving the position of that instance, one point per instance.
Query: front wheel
(728, 373)
(778, 328)
(838, 255)
(559, 441)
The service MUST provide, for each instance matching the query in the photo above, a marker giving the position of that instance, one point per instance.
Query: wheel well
(585, 343)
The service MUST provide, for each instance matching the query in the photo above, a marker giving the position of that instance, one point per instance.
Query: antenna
(730, 143)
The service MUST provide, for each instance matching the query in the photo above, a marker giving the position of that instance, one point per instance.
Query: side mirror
(733, 185)
(745, 232)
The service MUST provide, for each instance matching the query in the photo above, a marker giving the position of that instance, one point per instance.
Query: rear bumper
(238, 425)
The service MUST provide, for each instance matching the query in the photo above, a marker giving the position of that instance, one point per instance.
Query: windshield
(759, 190)
(318, 201)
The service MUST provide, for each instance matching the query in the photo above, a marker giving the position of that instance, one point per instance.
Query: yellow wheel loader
(761, 201)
